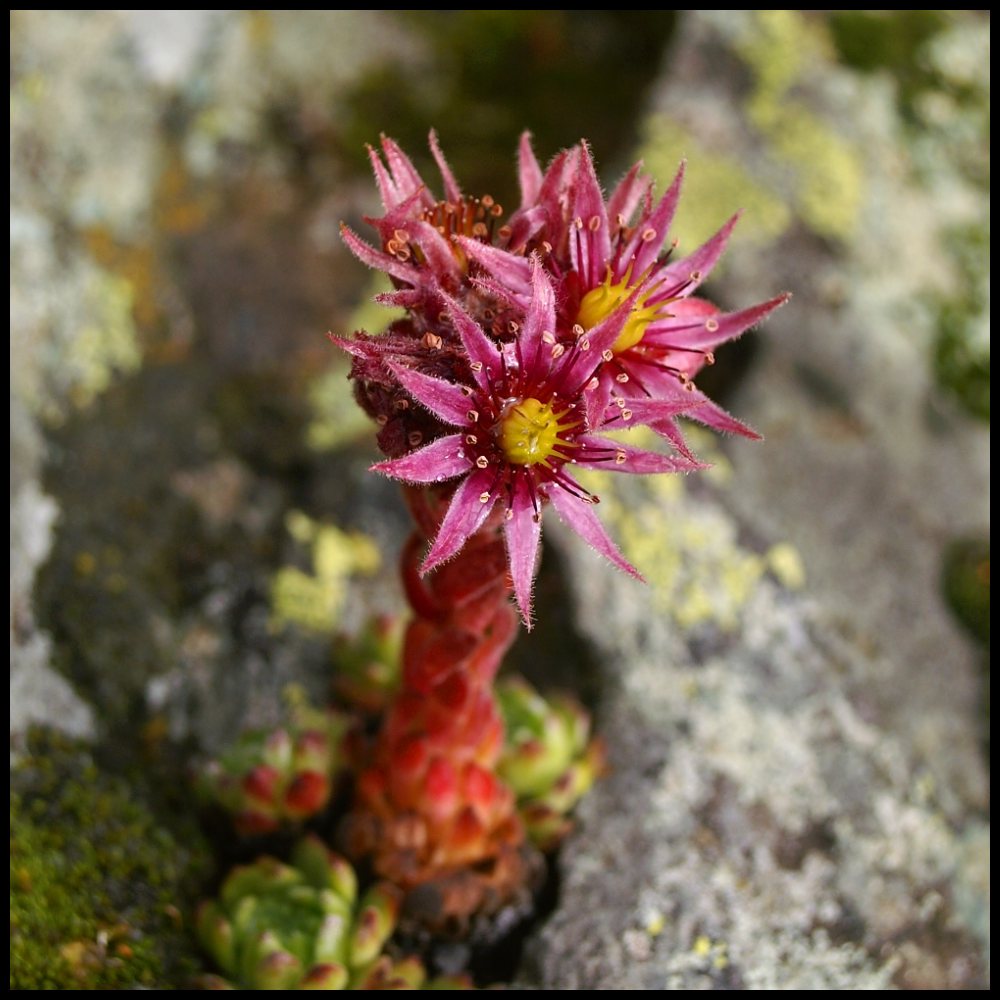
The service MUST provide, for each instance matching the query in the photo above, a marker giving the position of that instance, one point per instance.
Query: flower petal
(484, 357)
(404, 174)
(539, 321)
(645, 248)
(579, 515)
(523, 531)
(684, 276)
(442, 459)
(698, 325)
(511, 271)
(590, 241)
(464, 517)
(367, 254)
(451, 189)
(444, 399)
(617, 456)
(529, 173)
(625, 198)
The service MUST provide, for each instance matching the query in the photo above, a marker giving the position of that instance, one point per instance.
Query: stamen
(482, 462)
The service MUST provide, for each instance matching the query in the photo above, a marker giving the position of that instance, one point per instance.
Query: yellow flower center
(599, 303)
(530, 432)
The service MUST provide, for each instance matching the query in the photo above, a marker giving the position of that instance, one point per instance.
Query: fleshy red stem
(430, 809)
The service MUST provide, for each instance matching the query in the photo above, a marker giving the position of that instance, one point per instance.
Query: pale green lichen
(696, 570)
(713, 181)
(313, 600)
(107, 344)
(815, 174)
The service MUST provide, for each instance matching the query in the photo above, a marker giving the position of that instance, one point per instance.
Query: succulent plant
(367, 665)
(271, 778)
(303, 926)
(549, 758)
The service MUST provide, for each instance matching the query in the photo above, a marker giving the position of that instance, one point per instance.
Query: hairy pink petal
(464, 517)
(509, 270)
(523, 532)
(436, 249)
(451, 189)
(367, 254)
(408, 181)
(539, 320)
(442, 459)
(444, 399)
(617, 456)
(590, 241)
(707, 327)
(484, 357)
(579, 515)
(684, 276)
(529, 173)
(625, 198)
(647, 248)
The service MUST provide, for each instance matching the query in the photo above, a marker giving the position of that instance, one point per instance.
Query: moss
(97, 884)
(966, 582)
(962, 345)
(873, 40)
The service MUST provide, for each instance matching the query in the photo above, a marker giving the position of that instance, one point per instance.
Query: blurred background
(191, 516)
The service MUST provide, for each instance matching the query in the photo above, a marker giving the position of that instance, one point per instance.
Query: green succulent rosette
(549, 759)
(303, 926)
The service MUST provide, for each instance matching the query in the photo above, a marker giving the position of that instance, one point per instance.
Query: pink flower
(530, 414)
(603, 253)
(524, 341)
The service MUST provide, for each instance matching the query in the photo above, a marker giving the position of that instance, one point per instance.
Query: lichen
(98, 884)
(313, 600)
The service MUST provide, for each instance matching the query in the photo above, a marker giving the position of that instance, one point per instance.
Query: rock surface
(798, 797)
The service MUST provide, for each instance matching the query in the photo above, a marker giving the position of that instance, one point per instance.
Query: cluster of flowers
(526, 341)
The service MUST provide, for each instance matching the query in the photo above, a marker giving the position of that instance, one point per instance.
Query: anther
(584, 344)
(472, 416)
(484, 498)
(607, 354)
(594, 224)
(510, 514)
(557, 351)
(402, 404)
(402, 235)
(626, 414)
(482, 462)
(381, 420)
(621, 377)
(471, 439)
(649, 233)
(431, 341)
(620, 458)
(465, 390)
(548, 337)
(711, 325)
(696, 275)
(476, 366)
(592, 384)
(709, 358)
(414, 437)
(577, 330)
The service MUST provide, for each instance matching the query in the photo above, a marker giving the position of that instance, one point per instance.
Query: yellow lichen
(784, 561)
(815, 173)
(314, 600)
(107, 344)
(714, 184)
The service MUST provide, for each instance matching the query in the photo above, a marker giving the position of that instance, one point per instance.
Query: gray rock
(798, 795)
